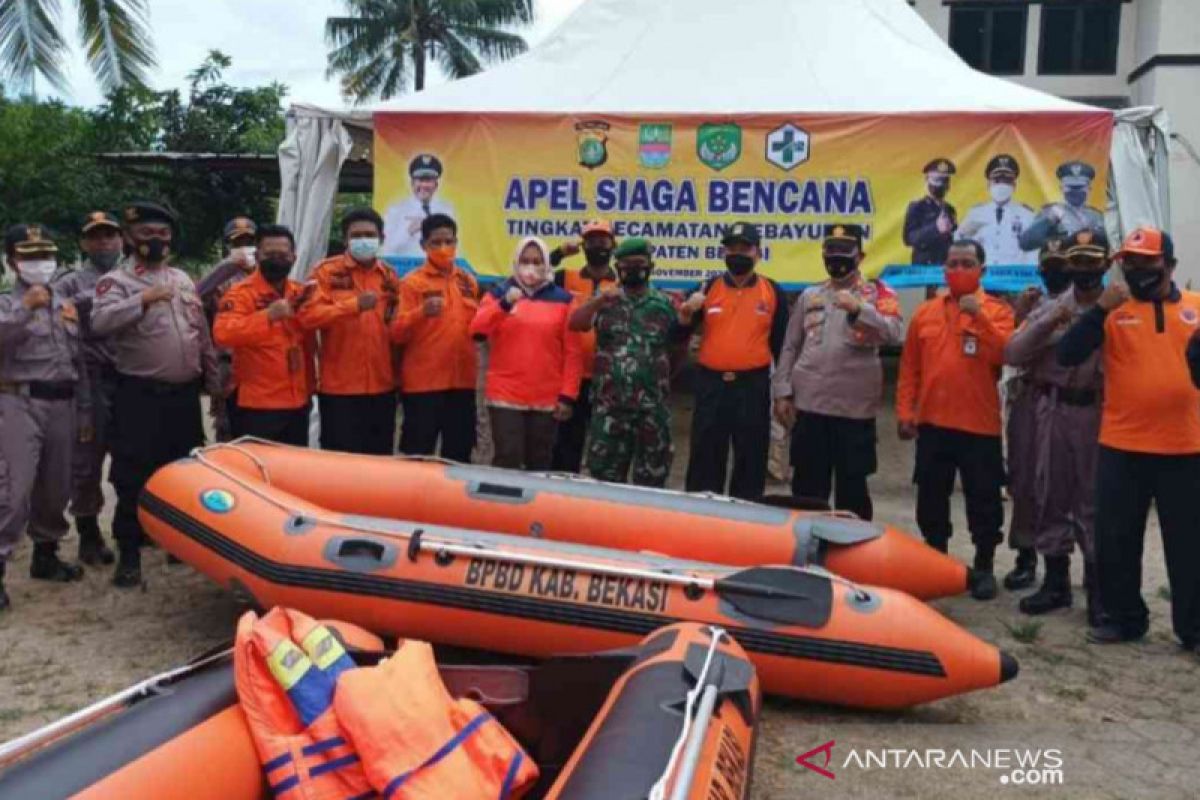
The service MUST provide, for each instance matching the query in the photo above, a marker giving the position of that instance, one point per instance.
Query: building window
(1080, 38)
(990, 38)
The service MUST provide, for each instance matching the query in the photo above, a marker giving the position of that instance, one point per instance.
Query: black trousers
(941, 454)
(449, 415)
(572, 434)
(834, 454)
(359, 423)
(522, 439)
(286, 426)
(1126, 483)
(736, 412)
(154, 423)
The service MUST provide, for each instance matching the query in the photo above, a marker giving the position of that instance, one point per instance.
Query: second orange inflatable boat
(810, 634)
(572, 509)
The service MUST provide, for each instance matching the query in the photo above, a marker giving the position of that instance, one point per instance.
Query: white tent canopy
(712, 57)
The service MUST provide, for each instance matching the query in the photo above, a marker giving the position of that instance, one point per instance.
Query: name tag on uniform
(970, 346)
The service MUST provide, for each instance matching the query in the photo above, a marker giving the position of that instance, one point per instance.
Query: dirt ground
(1126, 719)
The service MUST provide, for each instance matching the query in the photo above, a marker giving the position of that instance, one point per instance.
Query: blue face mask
(1075, 197)
(364, 251)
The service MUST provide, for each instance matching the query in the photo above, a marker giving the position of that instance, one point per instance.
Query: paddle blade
(780, 594)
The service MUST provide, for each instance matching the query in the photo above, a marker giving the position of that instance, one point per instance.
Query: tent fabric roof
(735, 57)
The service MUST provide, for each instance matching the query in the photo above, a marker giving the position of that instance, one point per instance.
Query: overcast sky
(282, 40)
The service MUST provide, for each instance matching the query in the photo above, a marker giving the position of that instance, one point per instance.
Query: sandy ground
(1126, 718)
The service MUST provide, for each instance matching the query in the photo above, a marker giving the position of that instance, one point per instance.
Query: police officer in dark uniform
(155, 323)
(1063, 220)
(930, 222)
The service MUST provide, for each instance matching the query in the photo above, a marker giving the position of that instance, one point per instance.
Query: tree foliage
(380, 44)
(49, 172)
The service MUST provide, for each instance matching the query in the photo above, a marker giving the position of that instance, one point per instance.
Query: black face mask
(1087, 281)
(153, 250)
(839, 267)
(275, 268)
(1055, 280)
(938, 191)
(634, 278)
(104, 261)
(739, 265)
(597, 256)
(1144, 284)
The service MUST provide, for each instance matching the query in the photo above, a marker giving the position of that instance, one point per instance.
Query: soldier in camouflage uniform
(630, 433)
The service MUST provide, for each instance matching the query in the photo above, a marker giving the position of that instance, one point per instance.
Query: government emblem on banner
(592, 143)
(654, 145)
(787, 146)
(719, 144)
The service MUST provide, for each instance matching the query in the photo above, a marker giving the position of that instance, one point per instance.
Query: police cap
(1055, 249)
(1075, 173)
(1089, 243)
(239, 227)
(1002, 164)
(29, 240)
(844, 234)
(425, 166)
(145, 211)
(746, 232)
(940, 166)
(99, 219)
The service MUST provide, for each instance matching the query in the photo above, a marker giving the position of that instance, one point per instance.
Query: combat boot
(5, 603)
(128, 574)
(1024, 573)
(47, 566)
(92, 550)
(1056, 588)
(1091, 585)
(982, 579)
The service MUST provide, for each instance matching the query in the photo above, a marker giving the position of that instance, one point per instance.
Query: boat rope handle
(35, 740)
(436, 546)
(686, 737)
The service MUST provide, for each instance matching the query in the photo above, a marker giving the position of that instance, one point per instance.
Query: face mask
(597, 256)
(1087, 281)
(1144, 284)
(739, 265)
(37, 273)
(364, 250)
(839, 267)
(938, 190)
(634, 278)
(154, 250)
(963, 281)
(275, 268)
(1001, 192)
(531, 276)
(442, 257)
(248, 251)
(1075, 197)
(1056, 280)
(104, 261)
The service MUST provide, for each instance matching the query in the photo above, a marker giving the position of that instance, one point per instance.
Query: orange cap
(596, 226)
(1143, 241)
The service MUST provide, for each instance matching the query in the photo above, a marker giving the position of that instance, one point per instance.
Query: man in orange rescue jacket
(438, 300)
(1146, 330)
(947, 399)
(353, 308)
(272, 355)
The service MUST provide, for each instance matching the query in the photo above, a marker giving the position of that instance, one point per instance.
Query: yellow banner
(681, 181)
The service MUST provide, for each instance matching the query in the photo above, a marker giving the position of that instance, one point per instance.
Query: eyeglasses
(633, 265)
(962, 263)
(1088, 263)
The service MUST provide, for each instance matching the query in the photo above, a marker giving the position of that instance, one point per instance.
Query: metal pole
(691, 756)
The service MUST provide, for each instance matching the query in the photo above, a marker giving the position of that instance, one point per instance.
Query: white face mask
(1001, 192)
(248, 251)
(364, 251)
(37, 273)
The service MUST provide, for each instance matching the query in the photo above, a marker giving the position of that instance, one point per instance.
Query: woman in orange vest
(535, 361)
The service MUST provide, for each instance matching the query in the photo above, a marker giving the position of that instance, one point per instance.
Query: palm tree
(115, 35)
(380, 42)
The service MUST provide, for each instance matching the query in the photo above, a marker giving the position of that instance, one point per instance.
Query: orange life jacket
(286, 667)
(314, 715)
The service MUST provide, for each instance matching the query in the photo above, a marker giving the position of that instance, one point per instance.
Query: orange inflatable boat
(605, 726)
(810, 634)
(572, 509)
